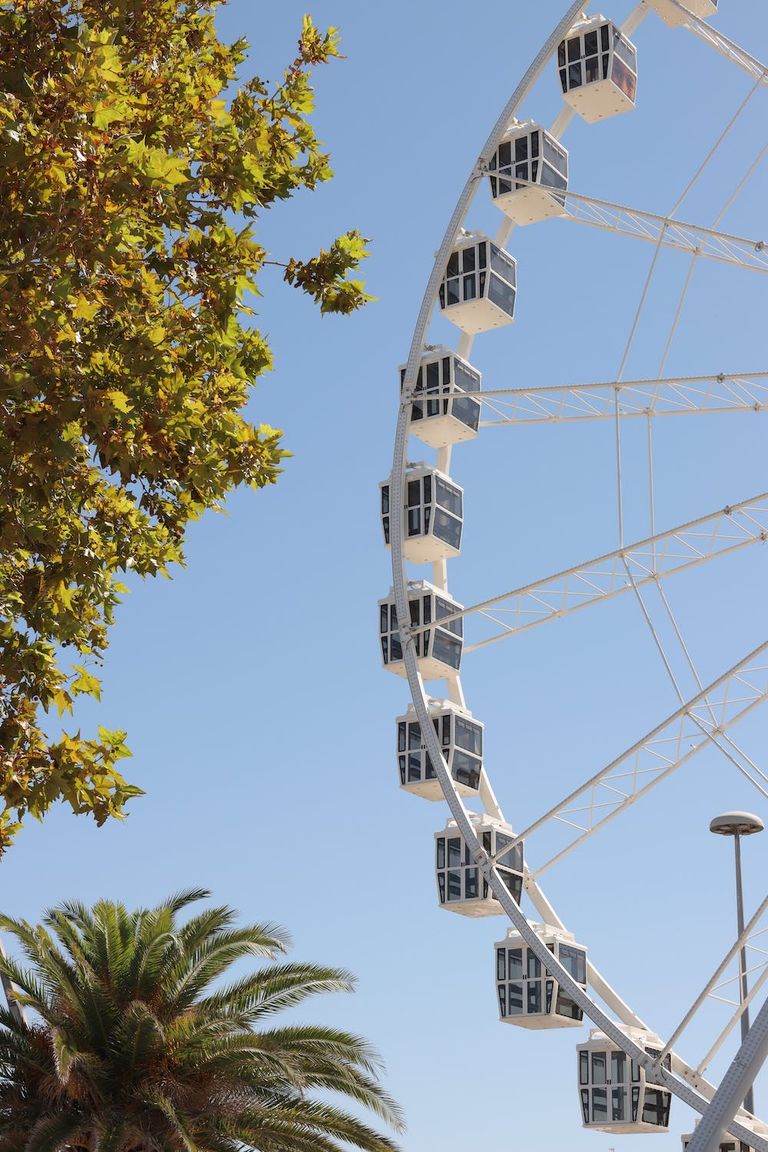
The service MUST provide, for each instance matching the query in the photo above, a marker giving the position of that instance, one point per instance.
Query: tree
(127, 349)
(133, 1050)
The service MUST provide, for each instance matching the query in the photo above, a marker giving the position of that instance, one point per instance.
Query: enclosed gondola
(480, 285)
(528, 174)
(443, 409)
(614, 1091)
(434, 515)
(438, 645)
(597, 66)
(461, 886)
(527, 995)
(461, 741)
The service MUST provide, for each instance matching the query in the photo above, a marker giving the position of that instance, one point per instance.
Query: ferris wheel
(626, 1073)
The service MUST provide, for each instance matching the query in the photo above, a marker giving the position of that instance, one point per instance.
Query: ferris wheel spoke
(655, 558)
(727, 48)
(670, 396)
(658, 754)
(705, 243)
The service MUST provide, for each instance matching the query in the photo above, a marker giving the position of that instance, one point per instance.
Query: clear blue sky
(261, 722)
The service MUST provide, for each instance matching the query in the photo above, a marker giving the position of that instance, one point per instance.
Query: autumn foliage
(132, 173)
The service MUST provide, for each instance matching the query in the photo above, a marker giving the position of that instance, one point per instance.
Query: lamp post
(738, 824)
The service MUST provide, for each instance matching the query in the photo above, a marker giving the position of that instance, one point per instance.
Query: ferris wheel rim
(686, 1085)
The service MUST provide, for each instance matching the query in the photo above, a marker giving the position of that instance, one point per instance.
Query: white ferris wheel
(626, 1072)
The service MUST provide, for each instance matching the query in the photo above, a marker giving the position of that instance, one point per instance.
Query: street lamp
(738, 824)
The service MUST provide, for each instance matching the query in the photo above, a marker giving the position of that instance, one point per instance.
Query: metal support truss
(671, 396)
(657, 755)
(706, 243)
(726, 48)
(678, 549)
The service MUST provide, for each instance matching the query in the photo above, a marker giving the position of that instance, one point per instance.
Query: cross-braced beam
(678, 549)
(657, 755)
(671, 396)
(705, 243)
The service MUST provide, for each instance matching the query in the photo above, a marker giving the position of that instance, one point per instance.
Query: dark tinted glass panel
(453, 264)
(454, 885)
(635, 1071)
(590, 44)
(447, 650)
(431, 774)
(592, 70)
(505, 154)
(470, 287)
(513, 882)
(395, 647)
(501, 963)
(468, 260)
(514, 999)
(503, 264)
(618, 1104)
(568, 1008)
(502, 1000)
(599, 1104)
(656, 1107)
(401, 760)
(563, 85)
(574, 961)
(481, 254)
(446, 362)
(552, 179)
(465, 380)
(624, 79)
(555, 156)
(414, 493)
(534, 996)
(533, 966)
(622, 49)
(443, 609)
(401, 736)
(534, 144)
(427, 489)
(574, 48)
(468, 411)
(384, 618)
(448, 497)
(470, 883)
(446, 725)
(426, 609)
(447, 528)
(440, 851)
(635, 1102)
(453, 292)
(466, 770)
(618, 1067)
(414, 769)
(521, 172)
(599, 1064)
(574, 75)
(454, 852)
(605, 38)
(433, 376)
(515, 963)
(585, 1106)
(469, 736)
(561, 52)
(583, 1068)
(521, 148)
(502, 295)
(414, 521)
(441, 886)
(414, 735)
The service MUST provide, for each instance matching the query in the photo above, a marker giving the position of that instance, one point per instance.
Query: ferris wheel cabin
(527, 994)
(434, 515)
(528, 153)
(614, 1092)
(480, 285)
(461, 741)
(672, 15)
(598, 70)
(438, 646)
(443, 411)
(461, 887)
(729, 1144)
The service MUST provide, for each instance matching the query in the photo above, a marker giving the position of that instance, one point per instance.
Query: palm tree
(132, 1044)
